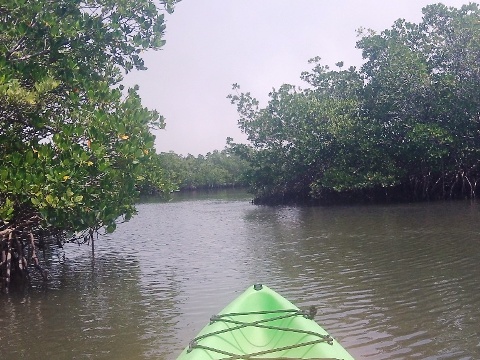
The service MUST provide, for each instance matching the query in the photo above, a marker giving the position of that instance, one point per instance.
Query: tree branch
(21, 40)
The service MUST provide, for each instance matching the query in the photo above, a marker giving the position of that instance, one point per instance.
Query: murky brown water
(391, 282)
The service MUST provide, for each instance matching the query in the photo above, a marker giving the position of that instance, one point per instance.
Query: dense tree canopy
(73, 143)
(214, 170)
(405, 125)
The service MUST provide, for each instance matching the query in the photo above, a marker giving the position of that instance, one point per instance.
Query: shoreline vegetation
(405, 126)
(75, 144)
(213, 170)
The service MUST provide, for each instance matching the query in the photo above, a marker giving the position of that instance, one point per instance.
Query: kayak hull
(262, 324)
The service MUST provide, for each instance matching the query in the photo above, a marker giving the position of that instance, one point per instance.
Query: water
(390, 282)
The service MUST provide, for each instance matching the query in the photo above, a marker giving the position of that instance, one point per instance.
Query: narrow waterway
(390, 282)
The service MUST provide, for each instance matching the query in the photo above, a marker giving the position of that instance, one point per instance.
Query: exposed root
(18, 254)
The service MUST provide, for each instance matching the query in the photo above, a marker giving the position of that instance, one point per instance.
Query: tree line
(403, 126)
(216, 169)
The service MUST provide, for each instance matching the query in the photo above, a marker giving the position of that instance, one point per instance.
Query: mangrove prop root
(43, 272)
(8, 264)
(18, 251)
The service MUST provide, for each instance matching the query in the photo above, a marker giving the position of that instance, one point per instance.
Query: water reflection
(81, 314)
(391, 282)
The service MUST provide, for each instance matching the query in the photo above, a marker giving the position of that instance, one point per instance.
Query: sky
(259, 44)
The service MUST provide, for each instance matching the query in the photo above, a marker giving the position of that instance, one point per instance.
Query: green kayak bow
(262, 324)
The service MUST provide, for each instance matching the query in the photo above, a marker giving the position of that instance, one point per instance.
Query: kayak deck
(262, 324)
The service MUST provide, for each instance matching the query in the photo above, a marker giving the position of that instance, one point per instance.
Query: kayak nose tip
(258, 287)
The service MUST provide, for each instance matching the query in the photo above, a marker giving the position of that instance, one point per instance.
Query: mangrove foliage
(74, 144)
(403, 126)
(216, 169)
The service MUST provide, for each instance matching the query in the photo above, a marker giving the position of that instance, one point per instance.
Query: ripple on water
(390, 282)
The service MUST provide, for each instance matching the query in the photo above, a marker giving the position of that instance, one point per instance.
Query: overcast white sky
(259, 44)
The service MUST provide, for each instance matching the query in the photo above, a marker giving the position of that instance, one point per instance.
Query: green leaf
(59, 145)
(111, 228)
(29, 158)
